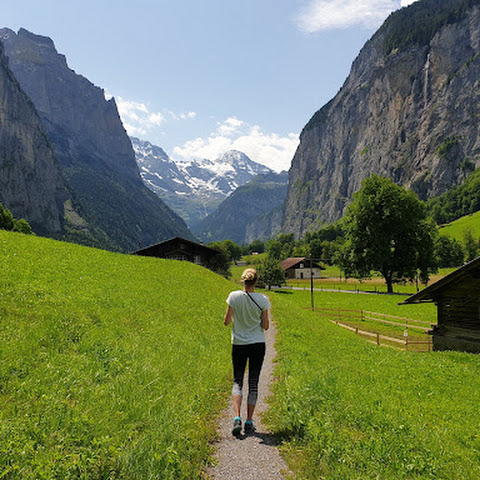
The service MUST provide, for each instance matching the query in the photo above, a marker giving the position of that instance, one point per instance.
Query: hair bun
(249, 275)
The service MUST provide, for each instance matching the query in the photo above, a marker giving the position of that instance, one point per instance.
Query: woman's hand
(227, 320)
(265, 323)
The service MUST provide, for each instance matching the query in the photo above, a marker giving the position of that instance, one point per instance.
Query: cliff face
(69, 103)
(411, 115)
(31, 185)
(97, 159)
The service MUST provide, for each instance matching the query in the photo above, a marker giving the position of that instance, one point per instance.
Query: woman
(248, 311)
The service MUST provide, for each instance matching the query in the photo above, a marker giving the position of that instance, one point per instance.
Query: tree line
(386, 230)
(418, 23)
(457, 201)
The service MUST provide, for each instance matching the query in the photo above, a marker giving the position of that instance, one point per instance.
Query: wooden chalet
(178, 248)
(299, 268)
(457, 296)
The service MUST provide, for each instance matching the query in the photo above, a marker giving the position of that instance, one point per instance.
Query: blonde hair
(250, 276)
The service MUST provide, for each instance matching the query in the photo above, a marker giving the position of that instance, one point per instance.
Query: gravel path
(254, 456)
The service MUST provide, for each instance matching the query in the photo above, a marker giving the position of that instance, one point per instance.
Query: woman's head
(250, 277)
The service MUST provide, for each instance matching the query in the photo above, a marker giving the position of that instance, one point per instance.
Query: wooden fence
(338, 315)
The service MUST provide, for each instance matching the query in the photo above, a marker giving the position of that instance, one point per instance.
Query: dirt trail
(252, 457)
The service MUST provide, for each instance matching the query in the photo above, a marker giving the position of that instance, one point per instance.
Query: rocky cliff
(407, 111)
(96, 156)
(31, 185)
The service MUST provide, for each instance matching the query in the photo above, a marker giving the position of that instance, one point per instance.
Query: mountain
(193, 189)
(408, 111)
(110, 204)
(265, 226)
(252, 202)
(31, 184)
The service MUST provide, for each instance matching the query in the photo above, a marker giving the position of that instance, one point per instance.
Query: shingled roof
(293, 261)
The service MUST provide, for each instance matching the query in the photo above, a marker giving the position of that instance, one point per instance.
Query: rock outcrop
(31, 185)
(96, 156)
(408, 113)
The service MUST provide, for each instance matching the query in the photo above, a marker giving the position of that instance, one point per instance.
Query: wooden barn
(457, 297)
(178, 248)
(299, 267)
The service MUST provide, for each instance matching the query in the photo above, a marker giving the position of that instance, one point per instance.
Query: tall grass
(351, 410)
(111, 366)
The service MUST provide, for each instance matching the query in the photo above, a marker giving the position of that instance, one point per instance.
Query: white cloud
(334, 14)
(269, 149)
(139, 121)
(182, 116)
(231, 126)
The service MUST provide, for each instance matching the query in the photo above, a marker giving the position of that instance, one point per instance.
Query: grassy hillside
(111, 366)
(457, 228)
(115, 367)
(351, 410)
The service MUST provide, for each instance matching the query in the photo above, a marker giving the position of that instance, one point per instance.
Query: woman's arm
(227, 320)
(265, 322)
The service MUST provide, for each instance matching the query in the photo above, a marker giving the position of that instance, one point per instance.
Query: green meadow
(457, 228)
(111, 366)
(347, 409)
(117, 367)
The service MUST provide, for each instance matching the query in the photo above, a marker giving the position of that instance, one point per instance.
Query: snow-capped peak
(204, 180)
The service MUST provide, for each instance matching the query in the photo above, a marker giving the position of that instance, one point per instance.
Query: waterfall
(426, 79)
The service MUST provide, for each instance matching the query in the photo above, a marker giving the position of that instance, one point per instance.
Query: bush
(7, 222)
(22, 226)
(6, 218)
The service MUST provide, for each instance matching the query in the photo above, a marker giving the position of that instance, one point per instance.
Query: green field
(116, 367)
(99, 363)
(457, 228)
(347, 409)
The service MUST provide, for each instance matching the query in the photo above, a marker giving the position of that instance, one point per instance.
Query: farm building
(299, 267)
(457, 297)
(178, 248)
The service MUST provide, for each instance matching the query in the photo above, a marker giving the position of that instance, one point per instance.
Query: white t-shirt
(247, 327)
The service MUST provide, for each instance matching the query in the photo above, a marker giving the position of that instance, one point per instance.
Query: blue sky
(199, 78)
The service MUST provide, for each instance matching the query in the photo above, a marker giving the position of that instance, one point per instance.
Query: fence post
(378, 338)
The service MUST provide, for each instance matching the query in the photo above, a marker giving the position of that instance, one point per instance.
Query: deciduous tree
(387, 231)
(270, 272)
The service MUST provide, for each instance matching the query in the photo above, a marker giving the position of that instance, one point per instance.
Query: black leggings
(254, 353)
